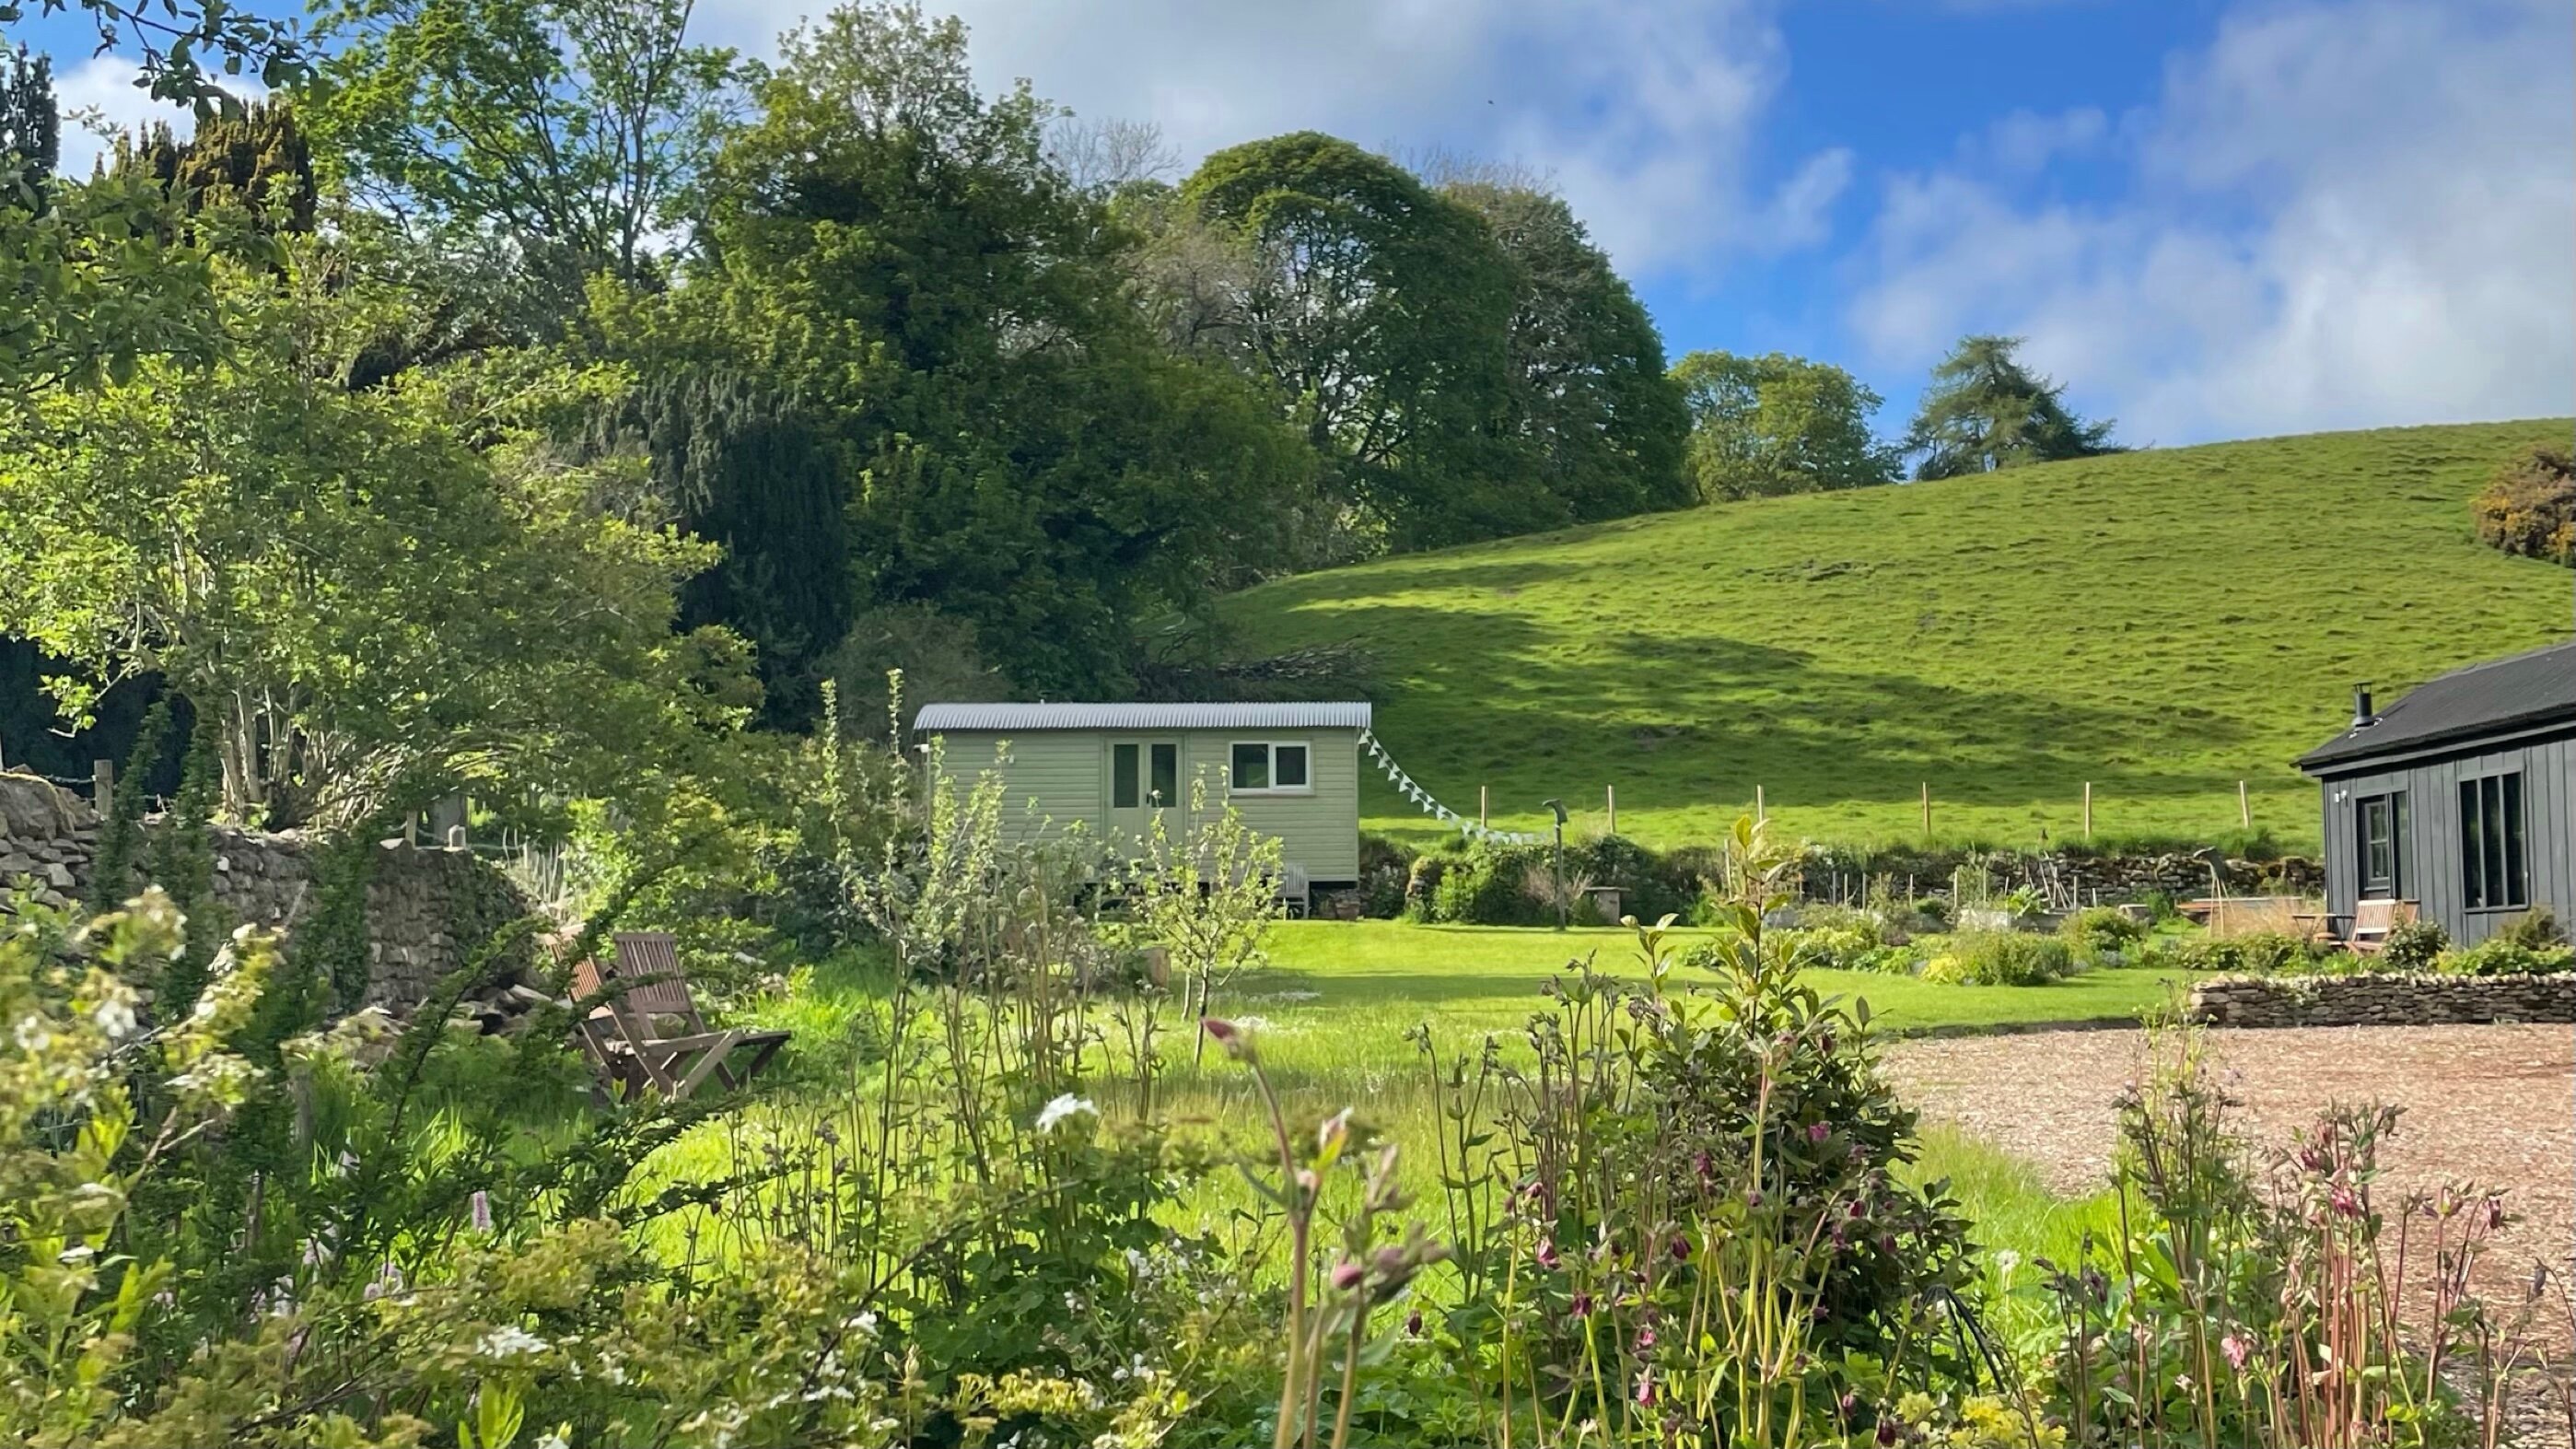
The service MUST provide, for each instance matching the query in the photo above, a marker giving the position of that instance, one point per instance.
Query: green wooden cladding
(1057, 777)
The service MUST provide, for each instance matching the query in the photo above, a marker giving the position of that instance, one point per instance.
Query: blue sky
(2214, 218)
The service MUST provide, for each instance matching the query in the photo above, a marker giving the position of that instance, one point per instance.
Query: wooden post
(1610, 798)
(2244, 808)
(1759, 813)
(102, 784)
(1483, 821)
(2088, 812)
(1927, 811)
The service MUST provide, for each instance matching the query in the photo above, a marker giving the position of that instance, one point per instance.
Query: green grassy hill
(2162, 624)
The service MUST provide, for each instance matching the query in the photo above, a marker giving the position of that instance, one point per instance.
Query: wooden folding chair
(625, 1032)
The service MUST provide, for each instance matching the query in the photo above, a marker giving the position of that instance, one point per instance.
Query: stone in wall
(2383, 999)
(428, 910)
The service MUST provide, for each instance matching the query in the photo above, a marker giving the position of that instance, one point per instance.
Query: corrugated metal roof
(2516, 691)
(1285, 715)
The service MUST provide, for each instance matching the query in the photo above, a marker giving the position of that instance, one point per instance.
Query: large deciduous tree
(382, 594)
(575, 130)
(894, 255)
(1600, 426)
(1778, 424)
(1984, 411)
(1378, 313)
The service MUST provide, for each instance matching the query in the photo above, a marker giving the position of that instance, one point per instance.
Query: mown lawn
(2162, 624)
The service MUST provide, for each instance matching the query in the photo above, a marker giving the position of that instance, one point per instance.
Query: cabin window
(1122, 777)
(1269, 768)
(2381, 832)
(1167, 774)
(2495, 875)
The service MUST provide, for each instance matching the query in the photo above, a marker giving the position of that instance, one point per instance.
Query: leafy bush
(2414, 946)
(2537, 929)
(2255, 953)
(2529, 507)
(2100, 933)
(1713, 1176)
(2505, 956)
(1386, 873)
(1999, 958)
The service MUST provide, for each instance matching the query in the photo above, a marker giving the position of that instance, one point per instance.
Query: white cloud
(1645, 114)
(2337, 215)
(101, 92)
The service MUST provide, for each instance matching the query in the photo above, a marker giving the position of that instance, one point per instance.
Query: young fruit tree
(1208, 896)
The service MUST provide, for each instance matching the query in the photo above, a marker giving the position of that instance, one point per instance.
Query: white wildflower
(559, 1437)
(509, 1341)
(1062, 1107)
(2006, 1261)
(115, 1016)
(31, 1033)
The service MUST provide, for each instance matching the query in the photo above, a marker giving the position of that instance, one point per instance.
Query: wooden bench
(2371, 923)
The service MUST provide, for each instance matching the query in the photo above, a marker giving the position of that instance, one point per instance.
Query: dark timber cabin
(2461, 797)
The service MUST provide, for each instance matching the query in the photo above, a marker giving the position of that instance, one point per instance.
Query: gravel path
(2490, 1104)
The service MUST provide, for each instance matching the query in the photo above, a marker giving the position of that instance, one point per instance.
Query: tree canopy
(1984, 410)
(1776, 424)
(383, 594)
(893, 252)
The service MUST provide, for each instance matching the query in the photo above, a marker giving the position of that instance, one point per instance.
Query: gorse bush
(2529, 507)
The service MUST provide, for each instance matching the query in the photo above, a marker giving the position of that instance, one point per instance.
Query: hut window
(1264, 768)
(1167, 774)
(1122, 777)
(2494, 872)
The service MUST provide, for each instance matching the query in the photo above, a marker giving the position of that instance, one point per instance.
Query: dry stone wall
(2390, 999)
(428, 910)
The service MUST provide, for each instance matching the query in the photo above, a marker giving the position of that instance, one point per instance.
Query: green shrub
(2505, 956)
(2414, 946)
(1999, 958)
(2258, 953)
(1386, 876)
(2537, 929)
(2102, 931)
(1651, 885)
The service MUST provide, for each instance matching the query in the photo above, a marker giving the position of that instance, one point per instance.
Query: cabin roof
(1021, 718)
(2515, 692)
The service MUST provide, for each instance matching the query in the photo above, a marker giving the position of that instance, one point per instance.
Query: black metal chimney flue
(2361, 713)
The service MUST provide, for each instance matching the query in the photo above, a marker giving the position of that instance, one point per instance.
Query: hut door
(1144, 782)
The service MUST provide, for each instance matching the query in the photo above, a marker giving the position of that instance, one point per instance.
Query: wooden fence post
(1927, 812)
(2088, 812)
(1760, 814)
(2244, 808)
(1610, 798)
(102, 784)
(1483, 821)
